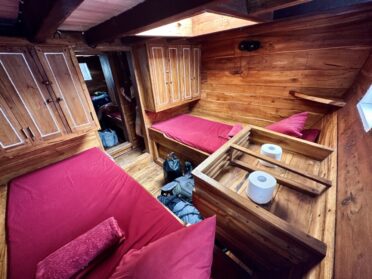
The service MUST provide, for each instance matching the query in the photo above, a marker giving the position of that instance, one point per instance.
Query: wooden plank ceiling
(93, 12)
(9, 9)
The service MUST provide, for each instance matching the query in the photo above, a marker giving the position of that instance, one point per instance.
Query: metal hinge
(91, 115)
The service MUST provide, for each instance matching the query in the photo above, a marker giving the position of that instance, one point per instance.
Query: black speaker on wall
(249, 45)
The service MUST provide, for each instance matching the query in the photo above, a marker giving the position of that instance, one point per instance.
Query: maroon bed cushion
(196, 132)
(186, 253)
(76, 255)
(310, 134)
(50, 207)
(291, 126)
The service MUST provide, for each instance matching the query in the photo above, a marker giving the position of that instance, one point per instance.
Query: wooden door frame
(132, 68)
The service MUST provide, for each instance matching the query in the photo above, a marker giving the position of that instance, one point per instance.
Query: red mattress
(196, 132)
(49, 207)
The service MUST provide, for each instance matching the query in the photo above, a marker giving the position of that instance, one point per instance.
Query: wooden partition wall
(317, 55)
(354, 220)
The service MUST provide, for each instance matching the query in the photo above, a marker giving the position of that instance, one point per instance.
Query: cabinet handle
(48, 101)
(59, 99)
(46, 82)
(31, 132)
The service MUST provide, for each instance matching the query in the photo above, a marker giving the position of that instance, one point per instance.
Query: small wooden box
(282, 236)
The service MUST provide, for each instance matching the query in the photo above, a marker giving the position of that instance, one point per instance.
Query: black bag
(172, 168)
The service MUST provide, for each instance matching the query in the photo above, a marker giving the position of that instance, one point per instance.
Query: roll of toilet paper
(261, 186)
(273, 151)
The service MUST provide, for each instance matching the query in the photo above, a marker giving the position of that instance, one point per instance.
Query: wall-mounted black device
(249, 45)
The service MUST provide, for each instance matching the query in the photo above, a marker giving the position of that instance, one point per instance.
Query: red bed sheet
(196, 132)
(50, 207)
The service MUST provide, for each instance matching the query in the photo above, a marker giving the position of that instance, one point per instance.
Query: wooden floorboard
(143, 169)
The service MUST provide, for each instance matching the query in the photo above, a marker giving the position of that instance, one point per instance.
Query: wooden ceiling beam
(41, 18)
(256, 7)
(148, 14)
(152, 14)
(315, 6)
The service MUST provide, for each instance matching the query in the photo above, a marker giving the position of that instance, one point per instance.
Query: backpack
(108, 138)
(172, 167)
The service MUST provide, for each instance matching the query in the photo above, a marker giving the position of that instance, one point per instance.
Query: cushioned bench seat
(50, 207)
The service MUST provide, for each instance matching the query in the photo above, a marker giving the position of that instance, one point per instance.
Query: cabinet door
(158, 70)
(68, 89)
(174, 74)
(21, 82)
(186, 72)
(11, 133)
(195, 79)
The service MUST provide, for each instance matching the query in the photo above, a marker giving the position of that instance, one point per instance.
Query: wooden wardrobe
(170, 74)
(43, 99)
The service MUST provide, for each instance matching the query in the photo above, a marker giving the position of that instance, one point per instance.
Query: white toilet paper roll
(261, 186)
(273, 151)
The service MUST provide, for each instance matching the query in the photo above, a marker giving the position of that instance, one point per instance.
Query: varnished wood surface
(313, 215)
(40, 20)
(9, 9)
(53, 151)
(354, 196)
(320, 100)
(168, 145)
(319, 56)
(93, 12)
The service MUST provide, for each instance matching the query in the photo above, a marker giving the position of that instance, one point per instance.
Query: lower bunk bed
(190, 137)
(194, 137)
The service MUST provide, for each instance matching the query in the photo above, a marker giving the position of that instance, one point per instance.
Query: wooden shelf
(326, 101)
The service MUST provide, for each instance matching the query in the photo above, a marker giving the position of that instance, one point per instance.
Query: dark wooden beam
(265, 6)
(41, 18)
(9, 28)
(314, 7)
(236, 8)
(149, 14)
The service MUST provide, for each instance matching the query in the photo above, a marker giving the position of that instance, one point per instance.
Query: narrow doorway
(112, 92)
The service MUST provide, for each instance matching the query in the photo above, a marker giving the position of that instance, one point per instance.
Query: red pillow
(291, 126)
(234, 130)
(310, 134)
(186, 253)
(70, 259)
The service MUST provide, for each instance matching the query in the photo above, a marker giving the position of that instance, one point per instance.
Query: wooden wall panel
(37, 157)
(318, 55)
(354, 199)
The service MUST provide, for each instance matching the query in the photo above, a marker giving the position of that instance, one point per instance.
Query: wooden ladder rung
(303, 173)
(302, 187)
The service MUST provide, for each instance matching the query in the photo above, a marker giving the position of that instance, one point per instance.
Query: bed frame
(163, 145)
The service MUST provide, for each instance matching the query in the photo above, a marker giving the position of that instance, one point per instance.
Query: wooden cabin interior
(105, 105)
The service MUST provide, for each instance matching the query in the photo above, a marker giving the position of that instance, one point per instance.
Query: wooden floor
(143, 169)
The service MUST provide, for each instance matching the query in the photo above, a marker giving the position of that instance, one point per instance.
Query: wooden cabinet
(68, 89)
(195, 73)
(41, 98)
(159, 71)
(12, 134)
(22, 86)
(186, 73)
(174, 74)
(171, 75)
